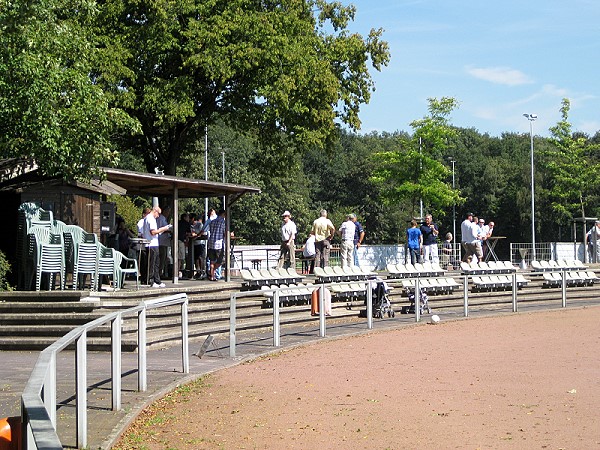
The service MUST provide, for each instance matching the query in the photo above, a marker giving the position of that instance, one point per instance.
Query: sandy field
(518, 381)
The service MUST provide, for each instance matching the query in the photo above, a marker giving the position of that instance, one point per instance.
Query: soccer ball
(435, 319)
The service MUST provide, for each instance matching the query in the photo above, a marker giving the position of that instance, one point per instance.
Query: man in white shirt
(151, 233)
(482, 235)
(468, 237)
(287, 250)
(346, 231)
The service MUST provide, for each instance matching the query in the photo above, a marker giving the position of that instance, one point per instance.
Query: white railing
(38, 401)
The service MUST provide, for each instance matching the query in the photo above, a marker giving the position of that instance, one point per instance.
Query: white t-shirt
(150, 224)
(309, 248)
(288, 231)
(348, 229)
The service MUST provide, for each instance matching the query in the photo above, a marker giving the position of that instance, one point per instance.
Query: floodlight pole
(532, 118)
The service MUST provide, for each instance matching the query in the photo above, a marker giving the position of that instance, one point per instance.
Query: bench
(409, 270)
(256, 279)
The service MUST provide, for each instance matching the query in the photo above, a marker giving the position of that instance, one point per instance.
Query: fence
(38, 402)
(522, 252)
(369, 305)
(276, 317)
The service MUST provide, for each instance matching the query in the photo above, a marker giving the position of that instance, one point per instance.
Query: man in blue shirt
(414, 240)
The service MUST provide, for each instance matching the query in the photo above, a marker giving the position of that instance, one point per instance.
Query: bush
(4, 270)
(128, 209)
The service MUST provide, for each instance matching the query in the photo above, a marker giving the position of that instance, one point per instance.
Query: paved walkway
(164, 370)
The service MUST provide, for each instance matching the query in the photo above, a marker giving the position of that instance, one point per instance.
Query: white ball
(435, 319)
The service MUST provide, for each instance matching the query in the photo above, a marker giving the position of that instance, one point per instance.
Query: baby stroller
(423, 301)
(380, 299)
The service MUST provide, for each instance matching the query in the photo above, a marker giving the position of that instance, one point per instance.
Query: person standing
(151, 233)
(216, 243)
(199, 243)
(287, 250)
(359, 235)
(430, 232)
(593, 240)
(324, 231)
(184, 233)
(143, 248)
(468, 238)
(164, 241)
(347, 231)
(414, 240)
(482, 235)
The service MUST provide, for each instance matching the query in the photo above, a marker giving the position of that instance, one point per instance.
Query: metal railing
(38, 401)
(369, 305)
(276, 307)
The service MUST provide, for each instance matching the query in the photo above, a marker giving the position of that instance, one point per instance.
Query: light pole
(453, 161)
(532, 118)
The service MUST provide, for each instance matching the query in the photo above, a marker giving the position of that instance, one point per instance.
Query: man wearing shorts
(216, 243)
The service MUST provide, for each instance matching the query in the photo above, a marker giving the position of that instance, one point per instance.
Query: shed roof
(139, 183)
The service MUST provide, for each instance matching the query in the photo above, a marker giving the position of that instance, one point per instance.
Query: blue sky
(499, 59)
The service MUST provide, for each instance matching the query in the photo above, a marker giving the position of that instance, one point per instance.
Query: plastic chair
(124, 266)
(106, 266)
(50, 259)
(86, 262)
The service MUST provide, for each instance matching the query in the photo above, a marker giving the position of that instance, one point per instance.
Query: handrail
(276, 317)
(38, 401)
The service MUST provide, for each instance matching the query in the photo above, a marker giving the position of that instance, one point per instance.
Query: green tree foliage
(50, 109)
(285, 66)
(414, 170)
(571, 172)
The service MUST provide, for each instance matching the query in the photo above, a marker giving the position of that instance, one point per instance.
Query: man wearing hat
(287, 251)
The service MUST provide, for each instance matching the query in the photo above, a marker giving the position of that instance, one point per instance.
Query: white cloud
(500, 75)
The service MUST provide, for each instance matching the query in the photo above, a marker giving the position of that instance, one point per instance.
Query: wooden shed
(71, 202)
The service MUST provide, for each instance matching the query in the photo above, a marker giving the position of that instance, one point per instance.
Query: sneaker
(161, 285)
(180, 274)
(155, 285)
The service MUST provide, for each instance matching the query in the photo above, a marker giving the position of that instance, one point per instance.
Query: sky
(499, 59)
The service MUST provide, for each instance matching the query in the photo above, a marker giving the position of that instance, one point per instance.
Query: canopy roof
(139, 183)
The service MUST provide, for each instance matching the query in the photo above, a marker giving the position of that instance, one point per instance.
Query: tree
(413, 171)
(278, 66)
(571, 172)
(50, 109)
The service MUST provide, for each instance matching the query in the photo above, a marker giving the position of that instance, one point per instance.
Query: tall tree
(50, 109)
(278, 66)
(571, 169)
(413, 171)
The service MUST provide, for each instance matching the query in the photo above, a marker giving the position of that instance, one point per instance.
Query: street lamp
(453, 161)
(531, 118)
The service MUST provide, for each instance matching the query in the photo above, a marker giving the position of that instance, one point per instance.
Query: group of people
(202, 243)
(422, 241)
(202, 239)
(318, 244)
(474, 233)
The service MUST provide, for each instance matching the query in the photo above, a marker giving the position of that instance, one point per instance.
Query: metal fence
(38, 402)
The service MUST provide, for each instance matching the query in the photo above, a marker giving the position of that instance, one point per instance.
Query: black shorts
(215, 256)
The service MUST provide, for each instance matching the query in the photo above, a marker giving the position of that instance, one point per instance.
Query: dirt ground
(522, 381)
